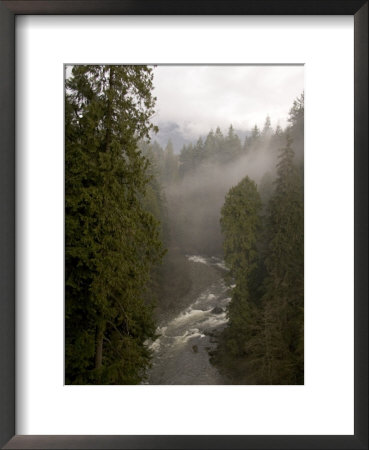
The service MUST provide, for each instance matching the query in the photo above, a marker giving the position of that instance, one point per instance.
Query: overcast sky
(199, 98)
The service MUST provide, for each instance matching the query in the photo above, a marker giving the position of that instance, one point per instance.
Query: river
(181, 352)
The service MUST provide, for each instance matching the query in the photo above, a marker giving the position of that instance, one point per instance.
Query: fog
(195, 202)
(191, 100)
(198, 98)
(201, 314)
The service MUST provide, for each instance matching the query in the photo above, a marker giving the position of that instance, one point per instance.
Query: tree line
(261, 232)
(127, 200)
(263, 342)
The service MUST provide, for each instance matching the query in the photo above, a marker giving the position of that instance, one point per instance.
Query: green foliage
(241, 225)
(154, 200)
(170, 173)
(264, 340)
(284, 297)
(266, 188)
(216, 149)
(112, 241)
(253, 142)
(232, 145)
(296, 129)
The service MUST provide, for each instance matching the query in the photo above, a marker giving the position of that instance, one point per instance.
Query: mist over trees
(264, 340)
(197, 180)
(244, 201)
(134, 209)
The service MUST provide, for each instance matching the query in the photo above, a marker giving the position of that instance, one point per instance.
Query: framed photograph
(184, 200)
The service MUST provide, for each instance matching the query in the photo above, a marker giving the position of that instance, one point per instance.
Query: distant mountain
(172, 131)
(242, 134)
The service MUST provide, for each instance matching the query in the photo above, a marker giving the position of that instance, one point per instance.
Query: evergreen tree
(111, 241)
(210, 146)
(154, 200)
(219, 146)
(233, 147)
(296, 129)
(278, 141)
(266, 188)
(252, 142)
(263, 342)
(284, 284)
(255, 133)
(278, 131)
(240, 223)
(296, 113)
(198, 152)
(170, 164)
(267, 130)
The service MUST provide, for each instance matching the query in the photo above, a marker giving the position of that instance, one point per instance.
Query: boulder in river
(195, 348)
(212, 332)
(217, 310)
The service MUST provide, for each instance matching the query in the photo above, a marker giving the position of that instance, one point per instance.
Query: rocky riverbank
(188, 332)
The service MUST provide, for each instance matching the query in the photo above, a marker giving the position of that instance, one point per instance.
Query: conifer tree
(170, 164)
(278, 131)
(263, 342)
(233, 147)
(284, 284)
(267, 130)
(255, 133)
(241, 223)
(111, 241)
(296, 129)
(198, 152)
(252, 142)
(209, 146)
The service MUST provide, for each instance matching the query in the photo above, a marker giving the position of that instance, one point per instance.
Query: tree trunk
(99, 345)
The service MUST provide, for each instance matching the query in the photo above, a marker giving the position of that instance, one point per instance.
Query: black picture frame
(8, 11)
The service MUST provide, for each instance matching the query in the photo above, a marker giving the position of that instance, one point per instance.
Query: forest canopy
(112, 241)
(257, 225)
(135, 211)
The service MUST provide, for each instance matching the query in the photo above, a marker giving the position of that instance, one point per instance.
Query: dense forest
(134, 210)
(112, 242)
